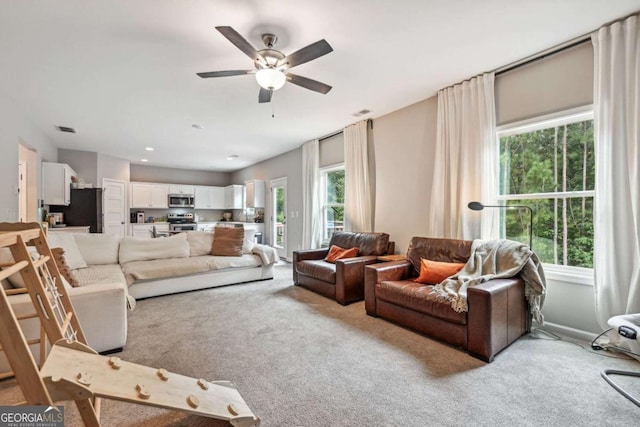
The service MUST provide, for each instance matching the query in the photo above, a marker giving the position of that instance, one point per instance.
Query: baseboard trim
(569, 332)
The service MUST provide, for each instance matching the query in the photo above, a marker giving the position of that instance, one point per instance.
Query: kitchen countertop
(229, 222)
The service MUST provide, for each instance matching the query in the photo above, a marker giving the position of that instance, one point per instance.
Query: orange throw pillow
(434, 272)
(336, 253)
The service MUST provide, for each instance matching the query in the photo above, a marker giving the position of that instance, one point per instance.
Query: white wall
(84, 163)
(16, 127)
(285, 165)
(145, 173)
(404, 143)
(113, 168)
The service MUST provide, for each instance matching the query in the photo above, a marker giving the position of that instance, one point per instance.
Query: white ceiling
(123, 72)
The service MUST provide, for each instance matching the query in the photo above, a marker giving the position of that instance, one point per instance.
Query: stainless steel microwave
(181, 201)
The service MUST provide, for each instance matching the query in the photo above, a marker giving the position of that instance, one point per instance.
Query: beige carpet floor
(299, 359)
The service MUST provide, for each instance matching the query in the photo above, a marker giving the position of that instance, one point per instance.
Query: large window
(548, 165)
(332, 185)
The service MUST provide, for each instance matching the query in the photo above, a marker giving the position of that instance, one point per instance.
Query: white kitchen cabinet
(149, 195)
(56, 183)
(254, 191)
(146, 230)
(209, 197)
(181, 189)
(234, 197)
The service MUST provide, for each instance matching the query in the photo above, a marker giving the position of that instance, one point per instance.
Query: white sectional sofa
(114, 272)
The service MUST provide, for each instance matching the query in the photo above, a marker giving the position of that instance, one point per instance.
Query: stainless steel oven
(181, 201)
(181, 222)
(183, 227)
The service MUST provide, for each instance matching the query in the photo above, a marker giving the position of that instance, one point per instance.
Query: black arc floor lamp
(477, 206)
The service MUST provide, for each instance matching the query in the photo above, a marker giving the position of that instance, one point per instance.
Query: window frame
(324, 171)
(565, 273)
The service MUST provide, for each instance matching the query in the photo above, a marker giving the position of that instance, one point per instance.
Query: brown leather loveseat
(344, 280)
(498, 311)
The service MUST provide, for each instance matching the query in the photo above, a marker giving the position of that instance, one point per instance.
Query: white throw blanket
(497, 259)
(267, 254)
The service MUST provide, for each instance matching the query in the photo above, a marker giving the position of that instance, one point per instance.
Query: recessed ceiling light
(144, 160)
(232, 157)
(196, 126)
(149, 148)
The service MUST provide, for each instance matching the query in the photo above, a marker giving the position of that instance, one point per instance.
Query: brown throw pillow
(63, 268)
(227, 241)
(336, 253)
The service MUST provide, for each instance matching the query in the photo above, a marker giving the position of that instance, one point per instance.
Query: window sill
(562, 273)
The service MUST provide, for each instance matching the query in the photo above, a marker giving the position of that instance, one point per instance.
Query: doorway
(114, 208)
(279, 216)
(28, 183)
(22, 191)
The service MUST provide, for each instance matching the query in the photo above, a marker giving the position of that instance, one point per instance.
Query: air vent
(361, 113)
(66, 129)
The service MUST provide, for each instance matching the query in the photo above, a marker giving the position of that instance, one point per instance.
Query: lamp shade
(476, 206)
(270, 79)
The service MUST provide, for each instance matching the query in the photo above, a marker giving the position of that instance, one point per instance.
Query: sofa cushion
(15, 280)
(99, 275)
(367, 243)
(72, 253)
(98, 248)
(434, 272)
(227, 241)
(318, 269)
(143, 249)
(161, 268)
(200, 242)
(336, 253)
(418, 297)
(222, 262)
(443, 250)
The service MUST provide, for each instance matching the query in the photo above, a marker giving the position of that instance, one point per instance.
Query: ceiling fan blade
(241, 43)
(308, 83)
(225, 73)
(306, 54)
(264, 95)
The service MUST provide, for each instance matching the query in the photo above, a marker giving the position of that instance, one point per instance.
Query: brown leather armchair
(498, 311)
(344, 280)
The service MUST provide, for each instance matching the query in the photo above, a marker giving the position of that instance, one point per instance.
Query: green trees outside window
(333, 206)
(552, 170)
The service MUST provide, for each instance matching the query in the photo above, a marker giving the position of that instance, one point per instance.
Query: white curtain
(466, 162)
(617, 184)
(312, 218)
(357, 191)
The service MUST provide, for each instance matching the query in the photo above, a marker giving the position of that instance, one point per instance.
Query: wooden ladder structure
(74, 371)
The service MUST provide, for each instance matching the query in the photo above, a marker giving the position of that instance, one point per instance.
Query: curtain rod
(330, 135)
(322, 138)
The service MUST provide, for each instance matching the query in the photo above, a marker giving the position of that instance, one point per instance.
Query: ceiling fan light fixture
(270, 79)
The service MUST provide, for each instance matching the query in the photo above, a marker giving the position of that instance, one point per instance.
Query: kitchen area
(69, 204)
(170, 208)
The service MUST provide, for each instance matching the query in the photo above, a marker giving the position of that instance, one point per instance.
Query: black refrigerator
(85, 209)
